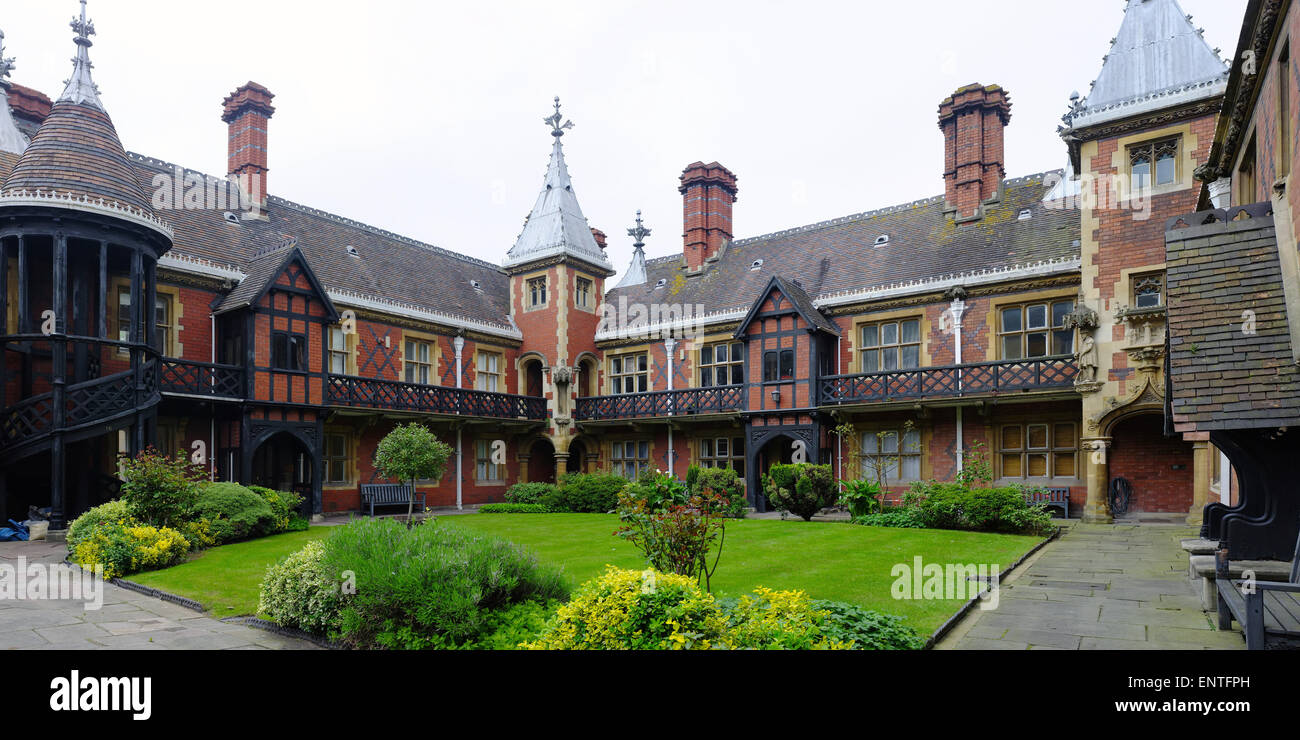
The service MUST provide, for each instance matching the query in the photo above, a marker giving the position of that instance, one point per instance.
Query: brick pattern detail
(248, 112)
(973, 121)
(708, 192)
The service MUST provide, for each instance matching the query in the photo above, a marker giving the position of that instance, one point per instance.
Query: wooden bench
(1053, 498)
(1268, 611)
(388, 494)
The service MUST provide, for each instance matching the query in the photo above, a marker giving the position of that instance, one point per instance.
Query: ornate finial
(640, 232)
(6, 63)
(553, 120)
(82, 27)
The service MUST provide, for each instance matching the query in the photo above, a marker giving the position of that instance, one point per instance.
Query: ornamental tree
(410, 453)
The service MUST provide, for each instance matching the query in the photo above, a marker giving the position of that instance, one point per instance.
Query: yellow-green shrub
(779, 620)
(125, 547)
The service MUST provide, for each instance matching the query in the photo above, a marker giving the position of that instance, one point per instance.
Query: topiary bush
(235, 512)
(590, 493)
(432, 585)
(529, 493)
(803, 489)
(301, 592)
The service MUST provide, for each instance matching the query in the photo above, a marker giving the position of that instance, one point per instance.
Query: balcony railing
(692, 401)
(343, 390)
(202, 379)
(952, 381)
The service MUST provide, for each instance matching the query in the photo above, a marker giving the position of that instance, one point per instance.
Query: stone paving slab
(1098, 587)
(127, 621)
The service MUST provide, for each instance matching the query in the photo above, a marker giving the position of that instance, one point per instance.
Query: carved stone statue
(1087, 359)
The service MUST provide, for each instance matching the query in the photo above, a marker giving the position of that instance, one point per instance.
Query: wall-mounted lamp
(776, 396)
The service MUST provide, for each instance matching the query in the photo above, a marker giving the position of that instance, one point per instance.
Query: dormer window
(353, 251)
(1025, 215)
(476, 285)
(882, 240)
(662, 282)
(230, 218)
(757, 265)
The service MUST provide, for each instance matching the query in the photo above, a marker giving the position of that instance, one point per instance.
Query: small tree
(410, 453)
(160, 489)
(975, 466)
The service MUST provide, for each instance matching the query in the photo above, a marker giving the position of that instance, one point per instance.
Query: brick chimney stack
(248, 112)
(708, 192)
(601, 239)
(973, 121)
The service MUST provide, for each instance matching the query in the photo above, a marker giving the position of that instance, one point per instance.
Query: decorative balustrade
(689, 402)
(951, 381)
(202, 379)
(342, 390)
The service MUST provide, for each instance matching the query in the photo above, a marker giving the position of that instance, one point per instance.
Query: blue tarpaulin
(17, 534)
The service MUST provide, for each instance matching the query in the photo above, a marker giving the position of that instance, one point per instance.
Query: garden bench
(1053, 498)
(1268, 611)
(388, 494)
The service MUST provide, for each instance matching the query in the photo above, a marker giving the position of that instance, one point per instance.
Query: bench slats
(1281, 613)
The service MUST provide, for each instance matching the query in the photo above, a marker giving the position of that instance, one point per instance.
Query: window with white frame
(891, 345)
(629, 374)
(419, 362)
(338, 350)
(722, 364)
(1035, 330)
(488, 377)
(486, 471)
(723, 452)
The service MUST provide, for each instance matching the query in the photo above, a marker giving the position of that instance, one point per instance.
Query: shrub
(676, 538)
(725, 483)
(630, 610)
(300, 592)
(953, 506)
(235, 512)
(903, 518)
(779, 620)
(160, 490)
(284, 506)
(866, 629)
(430, 586)
(591, 493)
(513, 509)
(512, 627)
(803, 489)
(529, 493)
(125, 547)
(658, 490)
(862, 497)
(84, 525)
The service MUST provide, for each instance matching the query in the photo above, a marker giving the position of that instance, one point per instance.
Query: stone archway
(1159, 468)
(284, 462)
(541, 461)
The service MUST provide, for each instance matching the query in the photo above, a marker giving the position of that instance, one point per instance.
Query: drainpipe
(459, 344)
(212, 417)
(839, 441)
(1225, 479)
(958, 309)
(670, 347)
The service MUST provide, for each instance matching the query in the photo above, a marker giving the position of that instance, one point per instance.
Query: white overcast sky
(425, 118)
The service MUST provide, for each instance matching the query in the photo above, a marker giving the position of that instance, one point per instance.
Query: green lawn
(828, 560)
(226, 579)
(834, 561)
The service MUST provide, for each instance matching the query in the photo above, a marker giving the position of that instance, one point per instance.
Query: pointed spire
(1159, 59)
(81, 88)
(11, 139)
(556, 226)
(636, 274)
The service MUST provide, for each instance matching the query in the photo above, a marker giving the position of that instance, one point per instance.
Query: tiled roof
(843, 254)
(1226, 374)
(385, 266)
(76, 151)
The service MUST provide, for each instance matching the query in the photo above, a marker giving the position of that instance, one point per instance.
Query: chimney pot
(708, 192)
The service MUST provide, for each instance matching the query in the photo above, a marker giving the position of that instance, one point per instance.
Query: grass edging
(143, 590)
(947, 626)
(272, 627)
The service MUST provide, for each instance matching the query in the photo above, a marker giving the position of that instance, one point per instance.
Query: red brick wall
(1141, 453)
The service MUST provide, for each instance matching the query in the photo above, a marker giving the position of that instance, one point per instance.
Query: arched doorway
(588, 377)
(541, 462)
(532, 378)
(1158, 468)
(577, 457)
(284, 463)
(774, 448)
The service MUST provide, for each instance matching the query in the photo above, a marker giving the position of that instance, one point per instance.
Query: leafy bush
(725, 483)
(865, 628)
(902, 518)
(160, 490)
(803, 490)
(953, 506)
(862, 497)
(675, 538)
(529, 493)
(513, 509)
(779, 620)
(430, 586)
(298, 523)
(512, 627)
(658, 490)
(235, 512)
(591, 493)
(284, 506)
(300, 592)
(126, 547)
(84, 525)
(630, 610)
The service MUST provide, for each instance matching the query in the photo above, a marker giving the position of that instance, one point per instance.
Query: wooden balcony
(389, 395)
(690, 402)
(981, 379)
(202, 379)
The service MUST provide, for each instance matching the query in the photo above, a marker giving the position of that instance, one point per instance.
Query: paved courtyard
(127, 621)
(1099, 587)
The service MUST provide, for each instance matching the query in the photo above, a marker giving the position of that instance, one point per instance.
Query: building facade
(276, 344)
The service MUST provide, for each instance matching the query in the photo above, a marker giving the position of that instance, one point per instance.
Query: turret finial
(640, 232)
(6, 63)
(554, 120)
(80, 87)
